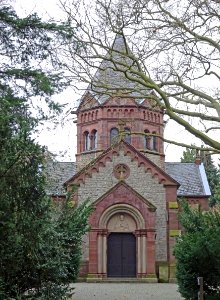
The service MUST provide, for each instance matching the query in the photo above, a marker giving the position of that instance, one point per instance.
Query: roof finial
(119, 16)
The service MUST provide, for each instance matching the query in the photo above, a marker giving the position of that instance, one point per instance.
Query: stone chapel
(135, 193)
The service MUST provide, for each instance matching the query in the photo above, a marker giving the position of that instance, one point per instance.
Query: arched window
(127, 135)
(154, 142)
(113, 135)
(86, 141)
(147, 140)
(94, 138)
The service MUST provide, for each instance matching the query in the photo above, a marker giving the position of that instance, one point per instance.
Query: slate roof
(192, 177)
(57, 173)
(107, 80)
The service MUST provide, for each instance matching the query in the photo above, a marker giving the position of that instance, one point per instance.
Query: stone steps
(120, 280)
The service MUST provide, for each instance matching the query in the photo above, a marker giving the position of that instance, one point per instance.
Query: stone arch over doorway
(122, 218)
(121, 209)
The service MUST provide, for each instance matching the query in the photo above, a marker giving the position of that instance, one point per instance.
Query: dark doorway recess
(121, 255)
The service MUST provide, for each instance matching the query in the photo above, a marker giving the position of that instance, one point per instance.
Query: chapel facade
(120, 166)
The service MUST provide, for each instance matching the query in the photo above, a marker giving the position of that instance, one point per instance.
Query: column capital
(145, 232)
(100, 231)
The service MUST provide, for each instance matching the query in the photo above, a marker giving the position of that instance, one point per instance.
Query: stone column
(139, 254)
(144, 253)
(151, 272)
(99, 253)
(104, 254)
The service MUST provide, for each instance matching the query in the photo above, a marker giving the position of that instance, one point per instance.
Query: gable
(123, 198)
(150, 102)
(121, 192)
(128, 151)
(87, 102)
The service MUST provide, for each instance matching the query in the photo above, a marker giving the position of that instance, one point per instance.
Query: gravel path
(126, 291)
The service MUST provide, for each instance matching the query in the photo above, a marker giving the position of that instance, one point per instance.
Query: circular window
(121, 171)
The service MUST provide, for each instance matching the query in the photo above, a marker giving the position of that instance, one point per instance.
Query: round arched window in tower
(121, 171)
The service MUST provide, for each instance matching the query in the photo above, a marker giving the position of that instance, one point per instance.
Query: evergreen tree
(213, 176)
(197, 252)
(36, 246)
(189, 155)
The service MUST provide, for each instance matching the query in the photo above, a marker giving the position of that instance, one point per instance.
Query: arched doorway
(124, 224)
(121, 255)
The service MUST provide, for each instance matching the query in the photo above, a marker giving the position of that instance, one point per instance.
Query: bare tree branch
(171, 48)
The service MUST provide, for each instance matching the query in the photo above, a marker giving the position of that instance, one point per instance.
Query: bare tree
(171, 55)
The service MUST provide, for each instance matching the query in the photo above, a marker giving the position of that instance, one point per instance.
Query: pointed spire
(110, 78)
(120, 44)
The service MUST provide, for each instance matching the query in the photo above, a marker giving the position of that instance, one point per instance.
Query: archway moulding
(121, 209)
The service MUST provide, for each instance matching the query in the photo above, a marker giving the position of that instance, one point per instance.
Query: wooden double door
(121, 255)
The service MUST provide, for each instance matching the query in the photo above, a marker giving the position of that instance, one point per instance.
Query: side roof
(192, 178)
(56, 174)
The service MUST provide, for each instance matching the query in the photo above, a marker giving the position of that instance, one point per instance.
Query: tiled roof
(108, 80)
(57, 173)
(191, 177)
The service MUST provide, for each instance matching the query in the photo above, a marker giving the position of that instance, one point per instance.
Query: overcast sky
(61, 139)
